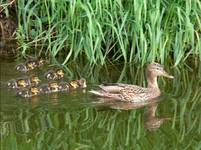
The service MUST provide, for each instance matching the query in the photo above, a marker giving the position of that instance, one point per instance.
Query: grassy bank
(129, 31)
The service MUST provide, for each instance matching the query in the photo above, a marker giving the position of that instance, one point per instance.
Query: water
(78, 120)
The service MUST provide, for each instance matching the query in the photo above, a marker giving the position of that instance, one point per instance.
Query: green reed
(131, 31)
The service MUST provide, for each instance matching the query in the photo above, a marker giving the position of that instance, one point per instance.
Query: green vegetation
(126, 30)
(130, 31)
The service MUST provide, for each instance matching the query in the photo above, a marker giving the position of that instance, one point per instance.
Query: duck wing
(120, 87)
(124, 92)
(136, 93)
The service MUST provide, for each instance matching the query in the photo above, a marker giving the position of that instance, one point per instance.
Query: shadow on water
(75, 121)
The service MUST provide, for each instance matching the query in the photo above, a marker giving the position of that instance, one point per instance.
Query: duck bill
(167, 75)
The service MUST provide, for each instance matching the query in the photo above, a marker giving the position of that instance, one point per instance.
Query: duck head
(21, 68)
(50, 75)
(54, 86)
(60, 73)
(35, 80)
(74, 84)
(22, 82)
(82, 83)
(63, 86)
(34, 90)
(157, 69)
(41, 62)
(153, 71)
(45, 89)
(30, 65)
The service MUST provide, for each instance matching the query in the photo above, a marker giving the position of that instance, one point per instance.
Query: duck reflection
(151, 121)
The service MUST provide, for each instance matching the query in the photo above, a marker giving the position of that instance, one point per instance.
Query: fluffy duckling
(30, 65)
(64, 86)
(54, 75)
(60, 73)
(19, 83)
(45, 89)
(32, 91)
(50, 88)
(23, 82)
(54, 87)
(34, 80)
(74, 84)
(22, 68)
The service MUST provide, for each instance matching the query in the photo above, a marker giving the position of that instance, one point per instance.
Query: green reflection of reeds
(138, 30)
(66, 126)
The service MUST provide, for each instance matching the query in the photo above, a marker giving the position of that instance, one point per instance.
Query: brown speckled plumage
(134, 93)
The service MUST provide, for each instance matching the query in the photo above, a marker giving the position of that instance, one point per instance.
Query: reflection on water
(151, 120)
(75, 120)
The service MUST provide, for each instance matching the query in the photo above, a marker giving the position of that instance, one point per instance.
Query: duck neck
(152, 80)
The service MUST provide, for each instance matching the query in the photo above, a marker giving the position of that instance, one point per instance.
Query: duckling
(19, 83)
(54, 75)
(30, 65)
(64, 86)
(34, 80)
(35, 63)
(32, 91)
(45, 89)
(23, 82)
(22, 68)
(73, 84)
(54, 87)
(81, 83)
(50, 88)
(60, 73)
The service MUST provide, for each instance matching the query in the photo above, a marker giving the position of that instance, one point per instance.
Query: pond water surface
(78, 120)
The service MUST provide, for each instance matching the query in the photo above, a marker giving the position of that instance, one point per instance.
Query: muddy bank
(8, 26)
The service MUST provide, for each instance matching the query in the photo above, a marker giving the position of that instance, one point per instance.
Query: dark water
(78, 120)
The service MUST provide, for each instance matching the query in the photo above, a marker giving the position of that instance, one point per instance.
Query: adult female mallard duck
(134, 93)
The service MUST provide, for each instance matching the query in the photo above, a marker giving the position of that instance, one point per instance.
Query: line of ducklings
(30, 86)
(53, 87)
